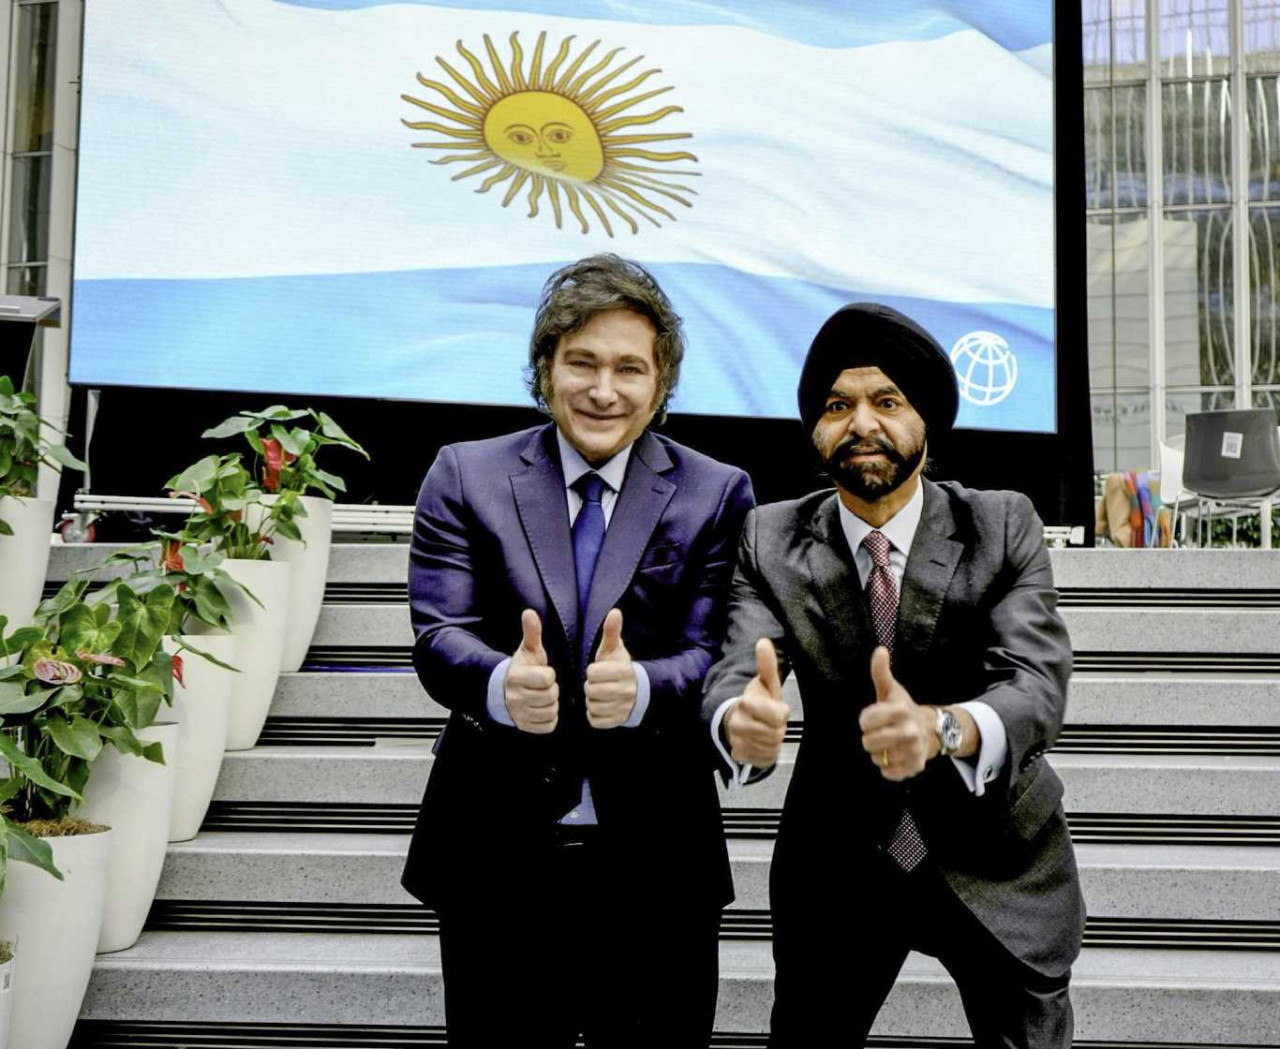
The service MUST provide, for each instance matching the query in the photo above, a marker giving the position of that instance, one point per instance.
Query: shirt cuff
(992, 752)
(642, 697)
(496, 703)
(739, 771)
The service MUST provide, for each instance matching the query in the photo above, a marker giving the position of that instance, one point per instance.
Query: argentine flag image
(364, 197)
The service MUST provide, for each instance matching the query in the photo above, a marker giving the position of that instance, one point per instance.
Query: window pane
(36, 31)
(1261, 36)
(1115, 147)
(1198, 300)
(1095, 27)
(1118, 301)
(27, 280)
(1128, 40)
(29, 210)
(1197, 142)
(1268, 399)
(1264, 291)
(1264, 137)
(1195, 37)
(1178, 403)
(1121, 432)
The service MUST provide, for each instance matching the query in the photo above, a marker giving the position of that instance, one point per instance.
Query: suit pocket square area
(667, 555)
(1035, 802)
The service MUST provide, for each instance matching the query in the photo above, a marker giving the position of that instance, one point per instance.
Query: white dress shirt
(612, 473)
(900, 530)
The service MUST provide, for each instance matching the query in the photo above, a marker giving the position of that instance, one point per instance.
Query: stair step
(1131, 783)
(1201, 630)
(1093, 699)
(1131, 994)
(1163, 883)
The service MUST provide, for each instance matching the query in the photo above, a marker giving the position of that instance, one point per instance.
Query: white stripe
(253, 139)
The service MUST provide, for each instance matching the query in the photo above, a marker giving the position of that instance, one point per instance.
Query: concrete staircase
(283, 923)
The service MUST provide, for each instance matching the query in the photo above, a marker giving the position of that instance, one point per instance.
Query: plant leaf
(12, 700)
(29, 768)
(26, 848)
(63, 457)
(142, 624)
(78, 737)
(229, 428)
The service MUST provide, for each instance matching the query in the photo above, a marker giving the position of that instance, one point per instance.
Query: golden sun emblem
(558, 130)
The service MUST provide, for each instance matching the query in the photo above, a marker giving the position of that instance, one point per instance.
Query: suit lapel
(835, 578)
(544, 511)
(644, 496)
(930, 565)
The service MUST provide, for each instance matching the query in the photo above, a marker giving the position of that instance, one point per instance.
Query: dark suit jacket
(977, 619)
(492, 538)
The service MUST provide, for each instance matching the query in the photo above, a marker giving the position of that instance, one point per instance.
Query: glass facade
(1182, 135)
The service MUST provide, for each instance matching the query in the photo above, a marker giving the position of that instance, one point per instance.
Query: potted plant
(254, 588)
(16, 844)
(55, 707)
(25, 521)
(202, 648)
(123, 676)
(285, 443)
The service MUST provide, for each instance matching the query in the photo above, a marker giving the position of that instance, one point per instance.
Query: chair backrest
(1232, 454)
(1172, 451)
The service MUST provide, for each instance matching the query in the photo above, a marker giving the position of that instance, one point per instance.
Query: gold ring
(884, 758)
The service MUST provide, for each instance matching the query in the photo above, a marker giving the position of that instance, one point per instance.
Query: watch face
(949, 732)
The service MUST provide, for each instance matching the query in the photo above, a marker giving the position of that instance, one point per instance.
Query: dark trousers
(834, 971)
(579, 947)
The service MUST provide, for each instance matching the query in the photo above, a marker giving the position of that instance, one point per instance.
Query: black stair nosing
(1204, 740)
(398, 919)
(183, 1034)
(747, 824)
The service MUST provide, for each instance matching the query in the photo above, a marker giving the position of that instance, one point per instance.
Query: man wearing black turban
(920, 620)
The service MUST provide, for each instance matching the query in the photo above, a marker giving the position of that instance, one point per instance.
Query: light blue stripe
(462, 335)
(1014, 24)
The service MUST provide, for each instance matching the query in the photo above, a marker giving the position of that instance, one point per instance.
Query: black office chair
(1232, 464)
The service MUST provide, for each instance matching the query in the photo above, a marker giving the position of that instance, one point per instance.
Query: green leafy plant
(22, 446)
(286, 450)
(223, 491)
(196, 577)
(89, 676)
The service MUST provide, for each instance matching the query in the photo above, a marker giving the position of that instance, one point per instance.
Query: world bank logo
(986, 369)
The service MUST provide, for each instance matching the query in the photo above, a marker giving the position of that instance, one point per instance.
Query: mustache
(865, 446)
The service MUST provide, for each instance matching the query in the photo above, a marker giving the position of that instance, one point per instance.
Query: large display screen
(364, 197)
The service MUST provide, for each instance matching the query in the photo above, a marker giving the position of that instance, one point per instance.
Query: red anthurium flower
(55, 672)
(101, 658)
(173, 557)
(177, 671)
(273, 458)
(200, 500)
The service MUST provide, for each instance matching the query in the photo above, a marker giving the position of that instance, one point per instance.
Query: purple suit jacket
(492, 538)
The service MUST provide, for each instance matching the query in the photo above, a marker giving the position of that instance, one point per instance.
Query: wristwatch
(947, 727)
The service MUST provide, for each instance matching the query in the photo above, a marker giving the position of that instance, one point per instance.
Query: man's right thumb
(531, 641)
(767, 667)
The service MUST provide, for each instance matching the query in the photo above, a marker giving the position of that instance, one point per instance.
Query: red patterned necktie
(906, 846)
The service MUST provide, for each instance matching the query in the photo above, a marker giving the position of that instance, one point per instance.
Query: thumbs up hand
(897, 732)
(610, 687)
(530, 690)
(757, 723)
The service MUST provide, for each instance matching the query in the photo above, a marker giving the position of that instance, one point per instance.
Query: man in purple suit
(568, 587)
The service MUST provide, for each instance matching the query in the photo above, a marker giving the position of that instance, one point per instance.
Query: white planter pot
(134, 797)
(24, 557)
(259, 634)
(6, 1001)
(310, 568)
(202, 709)
(53, 926)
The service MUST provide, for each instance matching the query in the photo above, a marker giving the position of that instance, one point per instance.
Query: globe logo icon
(986, 368)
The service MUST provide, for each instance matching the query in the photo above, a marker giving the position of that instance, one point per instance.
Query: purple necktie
(588, 536)
(906, 846)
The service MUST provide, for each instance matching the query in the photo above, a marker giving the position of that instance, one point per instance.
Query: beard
(870, 481)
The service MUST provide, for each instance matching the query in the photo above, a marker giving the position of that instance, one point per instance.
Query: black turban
(869, 335)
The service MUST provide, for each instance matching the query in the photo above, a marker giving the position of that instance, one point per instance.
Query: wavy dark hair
(576, 293)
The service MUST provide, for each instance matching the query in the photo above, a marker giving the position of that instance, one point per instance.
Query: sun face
(559, 133)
